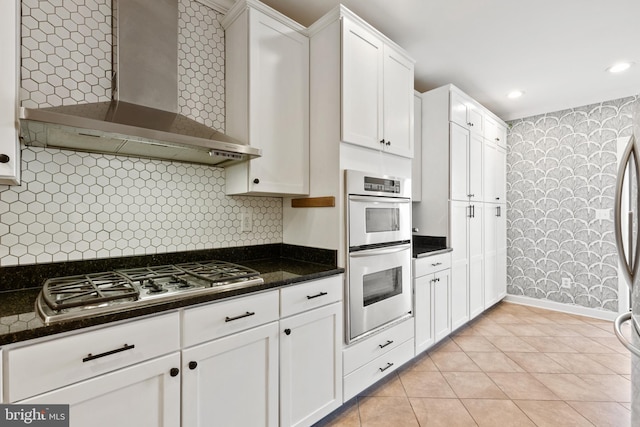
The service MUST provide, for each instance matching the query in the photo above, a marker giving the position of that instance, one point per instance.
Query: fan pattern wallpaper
(561, 167)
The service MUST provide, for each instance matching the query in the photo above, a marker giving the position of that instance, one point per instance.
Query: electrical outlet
(566, 283)
(603, 214)
(246, 222)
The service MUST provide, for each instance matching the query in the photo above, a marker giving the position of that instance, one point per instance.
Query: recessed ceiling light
(619, 67)
(515, 94)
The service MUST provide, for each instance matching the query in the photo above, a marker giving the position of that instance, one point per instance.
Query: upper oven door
(378, 220)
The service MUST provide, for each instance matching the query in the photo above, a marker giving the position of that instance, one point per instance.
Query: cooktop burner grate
(218, 271)
(144, 273)
(76, 291)
(79, 296)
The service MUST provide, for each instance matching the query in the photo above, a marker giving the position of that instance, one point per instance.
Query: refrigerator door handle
(630, 264)
(617, 326)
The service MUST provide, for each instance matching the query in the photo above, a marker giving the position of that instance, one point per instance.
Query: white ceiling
(556, 51)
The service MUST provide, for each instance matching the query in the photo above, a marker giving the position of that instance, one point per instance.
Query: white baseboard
(565, 308)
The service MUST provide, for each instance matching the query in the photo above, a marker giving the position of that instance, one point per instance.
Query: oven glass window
(379, 220)
(381, 285)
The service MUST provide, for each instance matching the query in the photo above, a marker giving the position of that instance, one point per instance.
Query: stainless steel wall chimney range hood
(142, 118)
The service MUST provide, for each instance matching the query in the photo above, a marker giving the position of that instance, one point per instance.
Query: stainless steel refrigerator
(627, 216)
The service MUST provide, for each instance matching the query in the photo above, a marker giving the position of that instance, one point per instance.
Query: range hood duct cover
(142, 118)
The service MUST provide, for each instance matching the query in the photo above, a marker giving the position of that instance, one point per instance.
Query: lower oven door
(379, 288)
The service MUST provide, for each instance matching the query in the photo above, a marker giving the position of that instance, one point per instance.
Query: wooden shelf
(314, 202)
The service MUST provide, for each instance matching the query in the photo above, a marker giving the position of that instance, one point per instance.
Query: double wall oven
(379, 252)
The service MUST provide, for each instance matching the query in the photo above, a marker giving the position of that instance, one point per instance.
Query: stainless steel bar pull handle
(629, 263)
(617, 327)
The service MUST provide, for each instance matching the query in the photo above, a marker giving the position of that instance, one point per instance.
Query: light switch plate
(603, 213)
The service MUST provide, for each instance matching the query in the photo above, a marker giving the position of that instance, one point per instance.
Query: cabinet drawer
(298, 298)
(377, 369)
(44, 366)
(431, 264)
(370, 348)
(215, 320)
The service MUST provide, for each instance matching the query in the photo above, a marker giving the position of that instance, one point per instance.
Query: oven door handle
(381, 251)
(379, 199)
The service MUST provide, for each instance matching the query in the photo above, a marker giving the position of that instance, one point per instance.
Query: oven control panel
(383, 185)
(367, 183)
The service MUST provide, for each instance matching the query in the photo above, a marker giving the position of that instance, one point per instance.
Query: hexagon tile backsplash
(66, 52)
(74, 206)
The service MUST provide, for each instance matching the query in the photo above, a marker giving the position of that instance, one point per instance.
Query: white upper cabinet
(495, 158)
(495, 173)
(459, 145)
(9, 142)
(267, 100)
(495, 132)
(466, 164)
(466, 112)
(377, 91)
(362, 57)
(398, 103)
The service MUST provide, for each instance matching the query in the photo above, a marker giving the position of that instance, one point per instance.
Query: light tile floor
(512, 366)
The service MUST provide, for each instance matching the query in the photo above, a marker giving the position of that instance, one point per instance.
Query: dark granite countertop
(19, 322)
(429, 245)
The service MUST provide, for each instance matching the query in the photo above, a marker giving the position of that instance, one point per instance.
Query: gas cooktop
(75, 297)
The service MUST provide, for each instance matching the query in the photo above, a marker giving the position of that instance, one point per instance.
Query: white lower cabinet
(423, 300)
(286, 372)
(78, 357)
(240, 365)
(495, 247)
(476, 260)
(232, 381)
(441, 301)
(133, 366)
(460, 212)
(310, 365)
(147, 394)
(432, 287)
(377, 369)
(372, 358)
(467, 263)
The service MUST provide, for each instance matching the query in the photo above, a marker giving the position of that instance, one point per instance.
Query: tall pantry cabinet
(464, 196)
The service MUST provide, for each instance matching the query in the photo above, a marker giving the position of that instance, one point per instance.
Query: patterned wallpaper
(561, 166)
(74, 206)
